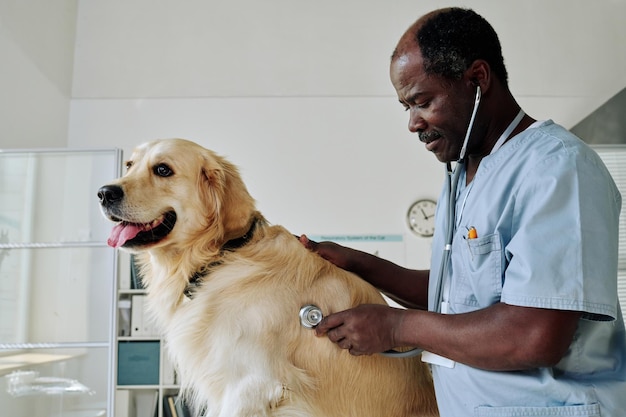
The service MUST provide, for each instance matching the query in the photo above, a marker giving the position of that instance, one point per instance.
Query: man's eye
(422, 105)
(163, 170)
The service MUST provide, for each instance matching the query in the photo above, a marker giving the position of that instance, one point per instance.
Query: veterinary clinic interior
(296, 94)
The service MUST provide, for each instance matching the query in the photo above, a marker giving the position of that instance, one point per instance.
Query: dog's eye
(163, 170)
(129, 164)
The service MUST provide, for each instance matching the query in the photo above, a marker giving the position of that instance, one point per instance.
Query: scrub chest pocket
(477, 272)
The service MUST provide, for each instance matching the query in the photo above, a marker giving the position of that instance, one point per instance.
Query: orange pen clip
(472, 233)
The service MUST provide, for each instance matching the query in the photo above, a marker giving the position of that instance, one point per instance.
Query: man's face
(439, 110)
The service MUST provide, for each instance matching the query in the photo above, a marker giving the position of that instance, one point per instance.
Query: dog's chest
(189, 325)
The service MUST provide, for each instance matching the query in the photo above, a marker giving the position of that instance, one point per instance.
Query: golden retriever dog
(226, 289)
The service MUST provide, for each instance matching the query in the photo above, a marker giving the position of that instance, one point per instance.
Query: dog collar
(238, 242)
(196, 279)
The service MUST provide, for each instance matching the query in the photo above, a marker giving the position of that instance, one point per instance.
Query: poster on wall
(386, 246)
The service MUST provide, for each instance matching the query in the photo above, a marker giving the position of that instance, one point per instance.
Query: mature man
(519, 317)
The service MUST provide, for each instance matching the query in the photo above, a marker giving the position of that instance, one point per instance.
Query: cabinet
(146, 384)
(57, 284)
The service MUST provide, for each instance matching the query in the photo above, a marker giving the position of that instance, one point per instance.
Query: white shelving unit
(57, 280)
(144, 398)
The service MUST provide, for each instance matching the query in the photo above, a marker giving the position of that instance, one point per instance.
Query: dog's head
(176, 193)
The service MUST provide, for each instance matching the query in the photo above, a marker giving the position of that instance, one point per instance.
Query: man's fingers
(308, 243)
(329, 323)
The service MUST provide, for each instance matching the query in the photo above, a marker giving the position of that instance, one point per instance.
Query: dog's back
(349, 385)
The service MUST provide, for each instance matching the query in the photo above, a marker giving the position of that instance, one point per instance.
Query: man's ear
(479, 75)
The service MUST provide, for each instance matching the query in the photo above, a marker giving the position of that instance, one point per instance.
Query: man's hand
(363, 330)
(332, 252)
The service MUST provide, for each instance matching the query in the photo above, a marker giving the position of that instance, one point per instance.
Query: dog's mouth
(129, 235)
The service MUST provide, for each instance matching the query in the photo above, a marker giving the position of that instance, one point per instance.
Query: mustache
(428, 137)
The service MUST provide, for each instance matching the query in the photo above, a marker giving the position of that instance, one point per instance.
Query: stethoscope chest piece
(310, 316)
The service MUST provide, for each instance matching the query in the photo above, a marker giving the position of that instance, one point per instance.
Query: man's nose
(416, 121)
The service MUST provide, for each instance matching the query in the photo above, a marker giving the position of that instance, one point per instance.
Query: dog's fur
(236, 339)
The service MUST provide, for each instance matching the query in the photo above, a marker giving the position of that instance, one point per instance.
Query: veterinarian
(519, 313)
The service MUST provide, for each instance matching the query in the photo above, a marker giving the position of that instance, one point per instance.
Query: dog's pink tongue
(122, 233)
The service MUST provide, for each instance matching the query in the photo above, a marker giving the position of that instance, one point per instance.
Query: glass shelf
(57, 284)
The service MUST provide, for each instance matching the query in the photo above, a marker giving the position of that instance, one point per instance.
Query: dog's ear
(212, 186)
(229, 205)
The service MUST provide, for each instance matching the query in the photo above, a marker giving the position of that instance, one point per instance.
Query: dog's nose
(110, 194)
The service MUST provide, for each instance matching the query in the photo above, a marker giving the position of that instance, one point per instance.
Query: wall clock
(421, 217)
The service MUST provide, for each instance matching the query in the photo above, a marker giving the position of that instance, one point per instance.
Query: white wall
(36, 50)
(560, 49)
(297, 93)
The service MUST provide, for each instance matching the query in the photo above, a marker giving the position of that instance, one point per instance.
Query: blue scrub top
(547, 215)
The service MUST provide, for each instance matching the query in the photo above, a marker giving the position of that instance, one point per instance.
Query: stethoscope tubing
(452, 177)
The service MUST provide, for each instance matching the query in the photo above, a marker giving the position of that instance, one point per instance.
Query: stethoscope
(311, 315)
(453, 177)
